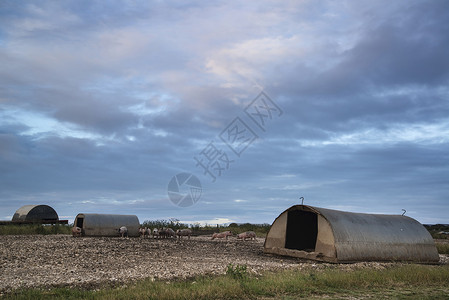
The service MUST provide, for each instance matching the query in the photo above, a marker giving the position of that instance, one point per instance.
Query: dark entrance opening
(302, 230)
(79, 222)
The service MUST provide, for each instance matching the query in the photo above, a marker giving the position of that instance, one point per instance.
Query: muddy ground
(61, 260)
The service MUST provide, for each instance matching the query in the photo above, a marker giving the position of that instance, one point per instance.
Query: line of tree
(235, 228)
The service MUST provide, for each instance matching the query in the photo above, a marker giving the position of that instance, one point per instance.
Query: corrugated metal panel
(107, 225)
(360, 236)
(356, 237)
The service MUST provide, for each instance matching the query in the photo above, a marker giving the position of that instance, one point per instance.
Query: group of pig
(160, 233)
(243, 236)
(168, 232)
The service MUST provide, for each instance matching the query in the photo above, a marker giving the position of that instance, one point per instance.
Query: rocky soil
(61, 260)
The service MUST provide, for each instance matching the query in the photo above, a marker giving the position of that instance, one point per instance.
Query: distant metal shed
(106, 225)
(337, 236)
(35, 213)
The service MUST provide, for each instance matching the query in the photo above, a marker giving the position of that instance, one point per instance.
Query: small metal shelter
(35, 213)
(337, 236)
(106, 225)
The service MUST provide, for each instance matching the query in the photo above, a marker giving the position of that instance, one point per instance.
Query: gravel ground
(61, 260)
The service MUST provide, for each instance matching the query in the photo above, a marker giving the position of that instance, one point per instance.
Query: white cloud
(245, 59)
(211, 222)
(66, 217)
(423, 133)
(304, 185)
(88, 202)
(240, 200)
(40, 125)
(286, 176)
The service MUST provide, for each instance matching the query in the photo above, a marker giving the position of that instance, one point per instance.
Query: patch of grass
(443, 248)
(261, 230)
(54, 293)
(237, 271)
(398, 282)
(12, 229)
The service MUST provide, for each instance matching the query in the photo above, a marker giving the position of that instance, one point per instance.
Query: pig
(146, 232)
(247, 235)
(183, 232)
(222, 235)
(170, 232)
(76, 231)
(155, 233)
(142, 231)
(123, 231)
(163, 233)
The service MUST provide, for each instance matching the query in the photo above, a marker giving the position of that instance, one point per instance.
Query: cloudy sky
(102, 105)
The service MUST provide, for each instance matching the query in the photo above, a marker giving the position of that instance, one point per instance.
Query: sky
(225, 111)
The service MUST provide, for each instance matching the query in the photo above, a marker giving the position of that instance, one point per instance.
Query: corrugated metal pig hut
(337, 236)
(35, 213)
(106, 225)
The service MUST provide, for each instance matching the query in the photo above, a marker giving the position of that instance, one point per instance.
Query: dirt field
(61, 260)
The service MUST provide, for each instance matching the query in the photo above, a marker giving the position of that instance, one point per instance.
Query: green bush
(437, 231)
(13, 229)
(172, 223)
(261, 230)
(237, 271)
(442, 248)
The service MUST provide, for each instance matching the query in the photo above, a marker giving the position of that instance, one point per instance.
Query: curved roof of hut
(35, 213)
(106, 224)
(361, 236)
(372, 230)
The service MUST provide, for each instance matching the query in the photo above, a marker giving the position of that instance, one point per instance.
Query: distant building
(36, 214)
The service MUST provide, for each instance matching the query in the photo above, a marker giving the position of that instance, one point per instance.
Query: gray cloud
(101, 104)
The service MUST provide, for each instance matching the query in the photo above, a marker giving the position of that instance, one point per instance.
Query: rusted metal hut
(337, 236)
(36, 214)
(106, 225)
